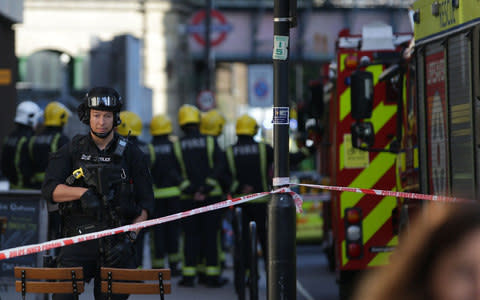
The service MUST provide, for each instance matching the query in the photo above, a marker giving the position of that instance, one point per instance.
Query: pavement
(314, 281)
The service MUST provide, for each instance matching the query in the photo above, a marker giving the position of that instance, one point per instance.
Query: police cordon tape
(416, 196)
(31, 249)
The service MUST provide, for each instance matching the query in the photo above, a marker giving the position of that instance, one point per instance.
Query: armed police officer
(100, 181)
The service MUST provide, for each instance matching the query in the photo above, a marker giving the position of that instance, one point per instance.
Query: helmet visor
(103, 101)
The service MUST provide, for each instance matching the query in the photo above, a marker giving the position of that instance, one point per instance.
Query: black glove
(118, 251)
(190, 189)
(205, 189)
(90, 201)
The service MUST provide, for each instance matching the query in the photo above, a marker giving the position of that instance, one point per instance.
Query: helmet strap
(101, 135)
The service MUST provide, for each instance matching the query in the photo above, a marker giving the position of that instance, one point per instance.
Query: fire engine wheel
(330, 253)
(345, 290)
(346, 285)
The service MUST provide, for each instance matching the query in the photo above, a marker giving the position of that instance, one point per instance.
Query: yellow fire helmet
(246, 125)
(130, 122)
(56, 114)
(160, 125)
(188, 114)
(212, 123)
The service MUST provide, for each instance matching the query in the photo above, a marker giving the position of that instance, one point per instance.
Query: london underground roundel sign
(219, 27)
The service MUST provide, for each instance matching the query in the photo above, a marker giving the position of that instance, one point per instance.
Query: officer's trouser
(254, 211)
(87, 255)
(201, 239)
(166, 236)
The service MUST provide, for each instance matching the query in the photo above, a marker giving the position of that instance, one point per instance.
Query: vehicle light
(354, 233)
(354, 250)
(353, 216)
(351, 62)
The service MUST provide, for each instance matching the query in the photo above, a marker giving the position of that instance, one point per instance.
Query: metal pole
(239, 276)
(253, 262)
(208, 22)
(281, 272)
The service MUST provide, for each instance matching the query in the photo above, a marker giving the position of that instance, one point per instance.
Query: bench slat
(63, 287)
(135, 274)
(135, 288)
(49, 273)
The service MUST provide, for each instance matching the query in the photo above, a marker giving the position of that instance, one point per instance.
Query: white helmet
(28, 113)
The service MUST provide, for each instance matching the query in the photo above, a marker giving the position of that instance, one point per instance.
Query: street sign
(206, 100)
(260, 85)
(219, 27)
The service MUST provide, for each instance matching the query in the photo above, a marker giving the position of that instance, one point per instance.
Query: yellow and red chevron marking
(379, 173)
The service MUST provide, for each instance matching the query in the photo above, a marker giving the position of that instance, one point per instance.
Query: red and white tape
(31, 249)
(385, 193)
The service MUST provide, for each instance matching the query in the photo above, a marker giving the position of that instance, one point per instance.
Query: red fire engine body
(365, 227)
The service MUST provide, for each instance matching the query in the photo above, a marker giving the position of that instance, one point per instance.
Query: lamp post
(281, 276)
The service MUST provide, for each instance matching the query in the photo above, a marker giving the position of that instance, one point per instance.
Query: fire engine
(413, 115)
(366, 137)
(447, 68)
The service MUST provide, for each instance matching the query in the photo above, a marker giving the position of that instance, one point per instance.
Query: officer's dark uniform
(201, 160)
(148, 157)
(15, 162)
(133, 182)
(166, 178)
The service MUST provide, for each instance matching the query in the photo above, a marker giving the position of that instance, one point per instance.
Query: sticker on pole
(280, 47)
(281, 115)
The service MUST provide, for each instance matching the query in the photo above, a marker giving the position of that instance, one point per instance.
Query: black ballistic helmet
(101, 98)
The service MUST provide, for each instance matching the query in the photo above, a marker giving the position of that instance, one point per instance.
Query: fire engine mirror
(361, 94)
(363, 135)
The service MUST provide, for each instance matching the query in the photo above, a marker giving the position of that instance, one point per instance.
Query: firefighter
(131, 128)
(39, 146)
(49, 140)
(166, 178)
(200, 160)
(15, 163)
(211, 123)
(99, 181)
(250, 163)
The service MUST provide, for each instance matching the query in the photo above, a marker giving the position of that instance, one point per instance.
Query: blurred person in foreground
(439, 259)
(100, 181)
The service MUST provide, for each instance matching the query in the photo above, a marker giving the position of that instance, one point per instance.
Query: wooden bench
(135, 281)
(49, 280)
